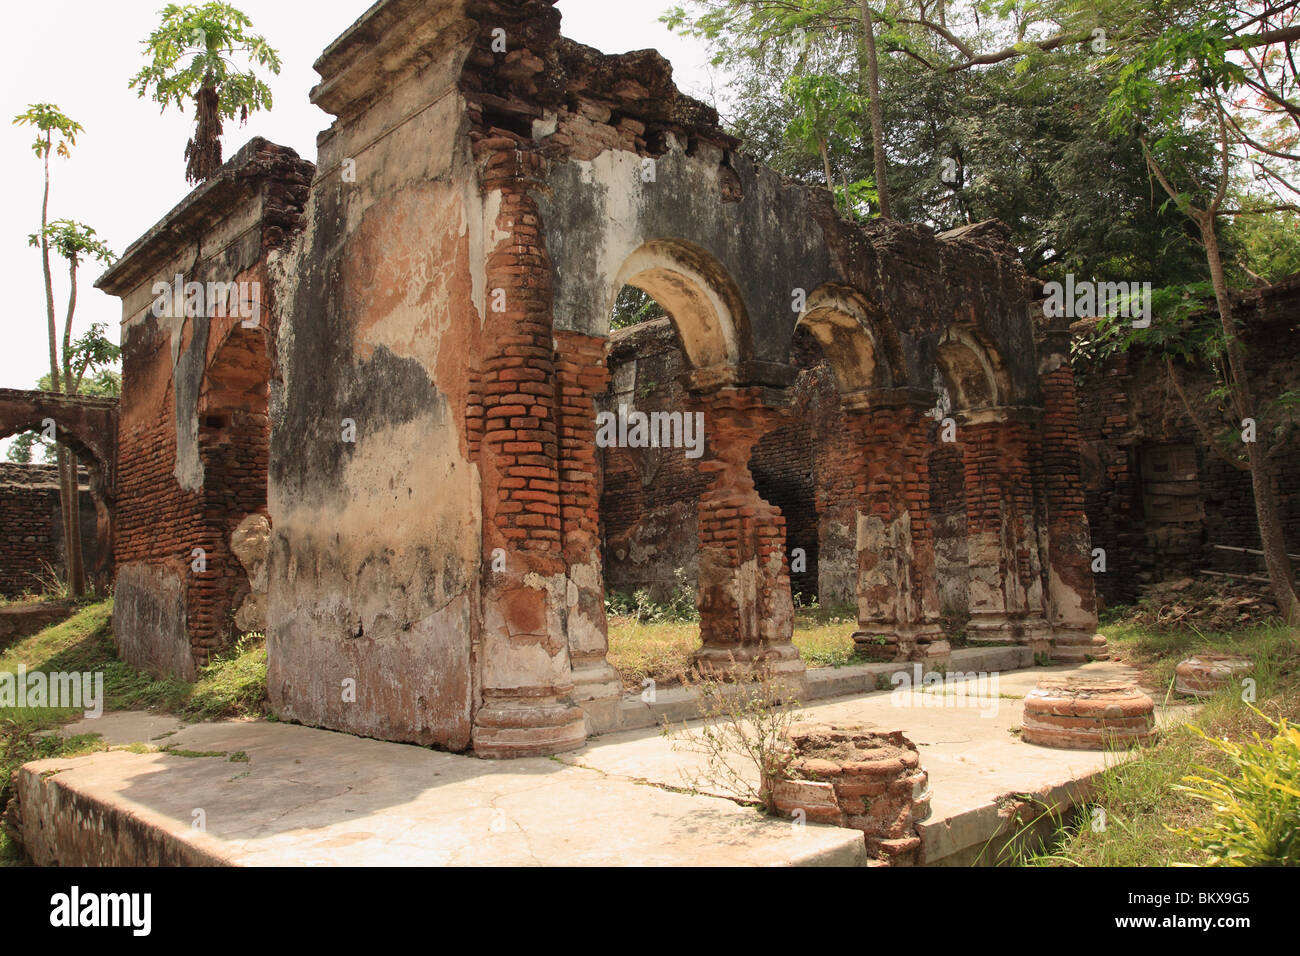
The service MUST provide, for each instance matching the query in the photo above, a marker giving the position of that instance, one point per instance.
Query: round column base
(509, 728)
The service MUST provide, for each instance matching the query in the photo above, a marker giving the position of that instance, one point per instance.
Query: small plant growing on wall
(193, 58)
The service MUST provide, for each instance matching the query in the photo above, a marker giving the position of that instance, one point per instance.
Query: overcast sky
(128, 169)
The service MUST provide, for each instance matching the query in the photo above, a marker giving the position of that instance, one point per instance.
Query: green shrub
(679, 608)
(1256, 803)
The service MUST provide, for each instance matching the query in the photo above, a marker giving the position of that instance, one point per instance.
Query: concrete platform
(978, 767)
(256, 793)
(294, 796)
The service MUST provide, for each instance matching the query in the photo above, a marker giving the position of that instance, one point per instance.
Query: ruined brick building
(32, 549)
(1161, 503)
(380, 444)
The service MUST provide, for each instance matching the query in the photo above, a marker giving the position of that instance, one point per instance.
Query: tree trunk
(1272, 538)
(826, 167)
(77, 563)
(203, 153)
(76, 559)
(877, 114)
(67, 491)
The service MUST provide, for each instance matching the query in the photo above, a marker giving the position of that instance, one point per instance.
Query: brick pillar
(898, 600)
(835, 464)
(526, 677)
(583, 375)
(1072, 600)
(1006, 591)
(746, 611)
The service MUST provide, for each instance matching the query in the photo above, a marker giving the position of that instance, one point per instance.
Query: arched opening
(234, 446)
(704, 539)
(970, 370)
(858, 349)
(36, 550)
(696, 293)
(860, 345)
(648, 511)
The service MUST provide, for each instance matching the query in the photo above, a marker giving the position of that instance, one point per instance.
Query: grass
(232, 686)
(662, 651)
(1142, 809)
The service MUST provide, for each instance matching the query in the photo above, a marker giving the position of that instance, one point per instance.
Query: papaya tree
(196, 54)
(75, 242)
(825, 121)
(56, 133)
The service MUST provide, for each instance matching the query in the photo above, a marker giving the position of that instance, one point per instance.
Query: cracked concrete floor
(309, 797)
(965, 735)
(317, 798)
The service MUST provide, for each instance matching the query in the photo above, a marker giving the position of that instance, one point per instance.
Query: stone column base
(779, 661)
(1000, 629)
(504, 729)
(1078, 646)
(899, 644)
(850, 776)
(1079, 713)
(595, 680)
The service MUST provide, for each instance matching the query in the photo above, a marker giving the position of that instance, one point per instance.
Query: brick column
(583, 375)
(746, 612)
(835, 463)
(898, 600)
(1072, 600)
(525, 672)
(1006, 591)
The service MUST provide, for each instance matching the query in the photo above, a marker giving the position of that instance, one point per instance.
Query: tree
(877, 115)
(74, 241)
(632, 307)
(1219, 72)
(55, 133)
(208, 36)
(824, 118)
(811, 27)
(1014, 141)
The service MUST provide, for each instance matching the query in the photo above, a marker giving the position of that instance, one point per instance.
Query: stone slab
(973, 761)
(313, 797)
(303, 797)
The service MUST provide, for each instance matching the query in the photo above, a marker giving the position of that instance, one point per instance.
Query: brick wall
(31, 528)
(649, 505)
(1132, 421)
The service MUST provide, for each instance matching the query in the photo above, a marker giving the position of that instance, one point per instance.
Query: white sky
(128, 169)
